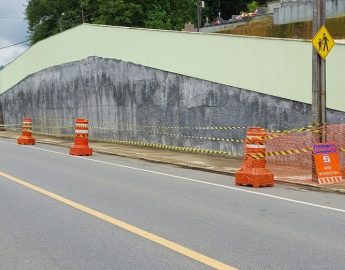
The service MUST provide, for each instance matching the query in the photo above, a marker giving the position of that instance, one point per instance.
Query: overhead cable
(12, 45)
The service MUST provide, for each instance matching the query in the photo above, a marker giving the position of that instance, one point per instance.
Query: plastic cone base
(26, 140)
(80, 151)
(254, 177)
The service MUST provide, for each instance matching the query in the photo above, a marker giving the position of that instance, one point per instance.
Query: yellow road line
(130, 228)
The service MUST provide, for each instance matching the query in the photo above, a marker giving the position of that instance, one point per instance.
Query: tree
(157, 18)
(48, 17)
(119, 12)
(169, 14)
(252, 6)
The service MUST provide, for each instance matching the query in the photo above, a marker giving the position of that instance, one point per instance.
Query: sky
(13, 29)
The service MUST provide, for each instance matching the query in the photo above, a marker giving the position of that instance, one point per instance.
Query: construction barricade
(26, 138)
(291, 154)
(287, 154)
(81, 139)
(253, 171)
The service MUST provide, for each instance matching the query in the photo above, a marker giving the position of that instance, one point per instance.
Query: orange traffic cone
(81, 139)
(26, 137)
(253, 171)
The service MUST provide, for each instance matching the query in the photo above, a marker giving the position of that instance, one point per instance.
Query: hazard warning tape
(151, 145)
(312, 128)
(13, 128)
(53, 127)
(280, 153)
(190, 136)
(295, 130)
(200, 138)
(11, 125)
(142, 128)
(186, 127)
(168, 147)
(54, 135)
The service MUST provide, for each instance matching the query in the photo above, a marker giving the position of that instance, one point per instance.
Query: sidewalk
(202, 162)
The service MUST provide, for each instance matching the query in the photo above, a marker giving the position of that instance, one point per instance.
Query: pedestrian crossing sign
(323, 42)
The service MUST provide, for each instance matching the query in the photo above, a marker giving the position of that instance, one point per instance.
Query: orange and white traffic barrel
(253, 171)
(26, 138)
(81, 139)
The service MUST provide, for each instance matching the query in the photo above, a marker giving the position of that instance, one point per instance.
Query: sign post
(323, 44)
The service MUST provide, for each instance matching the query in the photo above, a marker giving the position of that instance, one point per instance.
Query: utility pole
(319, 71)
(319, 80)
(82, 15)
(199, 6)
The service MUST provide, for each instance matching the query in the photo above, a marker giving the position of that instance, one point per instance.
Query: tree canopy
(48, 17)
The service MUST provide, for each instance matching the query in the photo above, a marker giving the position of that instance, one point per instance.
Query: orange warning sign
(327, 163)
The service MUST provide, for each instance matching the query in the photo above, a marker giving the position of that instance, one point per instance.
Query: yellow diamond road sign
(323, 42)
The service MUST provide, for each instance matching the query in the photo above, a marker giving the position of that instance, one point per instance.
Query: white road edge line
(187, 179)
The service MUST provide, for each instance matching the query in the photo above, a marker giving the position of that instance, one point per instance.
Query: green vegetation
(252, 6)
(48, 17)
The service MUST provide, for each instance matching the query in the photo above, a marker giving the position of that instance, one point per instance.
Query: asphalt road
(63, 212)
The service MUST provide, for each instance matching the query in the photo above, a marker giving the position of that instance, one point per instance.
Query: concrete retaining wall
(276, 67)
(292, 11)
(123, 95)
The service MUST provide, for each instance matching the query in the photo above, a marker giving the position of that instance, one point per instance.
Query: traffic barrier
(253, 171)
(81, 139)
(26, 138)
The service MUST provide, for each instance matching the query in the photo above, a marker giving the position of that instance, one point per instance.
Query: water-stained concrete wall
(124, 96)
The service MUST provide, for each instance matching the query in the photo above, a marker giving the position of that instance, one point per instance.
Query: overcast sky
(13, 29)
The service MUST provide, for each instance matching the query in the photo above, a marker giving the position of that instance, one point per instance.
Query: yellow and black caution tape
(135, 127)
(200, 138)
(52, 127)
(281, 133)
(142, 128)
(11, 125)
(295, 130)
(151, 145)
(285, 153)
(186, 127)
(54, 135)
(280, 153)
(168, 147)
(177, 135)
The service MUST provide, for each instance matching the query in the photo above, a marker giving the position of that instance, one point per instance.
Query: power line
(5, 17)
(12, 45)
